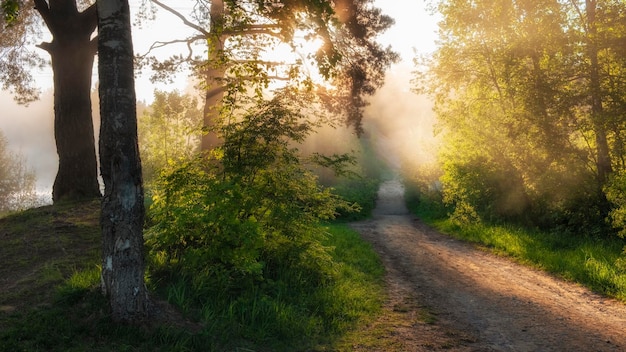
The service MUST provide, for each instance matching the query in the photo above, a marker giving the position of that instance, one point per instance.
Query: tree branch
(46, 46)
(44, 11)
(182, 18)
(159, 44)
(90, 18)
(261, 62)
(252, 31)
(211, 93)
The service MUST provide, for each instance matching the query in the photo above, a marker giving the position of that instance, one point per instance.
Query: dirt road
(448, 295)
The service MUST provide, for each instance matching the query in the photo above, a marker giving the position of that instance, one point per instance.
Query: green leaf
(10, 11)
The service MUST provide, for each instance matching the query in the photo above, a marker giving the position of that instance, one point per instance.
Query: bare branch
(273, 78)
(182, 18)
(261, 62)
(46, 46)
(160, 44)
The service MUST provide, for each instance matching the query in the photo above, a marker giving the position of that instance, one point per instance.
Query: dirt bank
(476, 301)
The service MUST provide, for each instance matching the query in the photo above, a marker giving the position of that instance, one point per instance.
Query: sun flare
(301, 53)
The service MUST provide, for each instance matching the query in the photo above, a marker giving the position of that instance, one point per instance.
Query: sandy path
(482, 302)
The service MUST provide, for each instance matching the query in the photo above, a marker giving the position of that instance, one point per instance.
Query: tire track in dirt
(481, 301)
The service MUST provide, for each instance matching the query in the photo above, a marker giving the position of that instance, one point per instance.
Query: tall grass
(292, 315)
(596, 262)
(294, 312)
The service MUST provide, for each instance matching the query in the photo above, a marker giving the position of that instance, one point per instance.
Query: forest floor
(444, 294)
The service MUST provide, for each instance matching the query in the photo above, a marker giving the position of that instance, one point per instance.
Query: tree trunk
(215, 72)
(72, 53)
(603, 157)
(122, 204)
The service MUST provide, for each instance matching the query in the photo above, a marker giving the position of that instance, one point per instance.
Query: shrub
(615, 191)
(237, 217)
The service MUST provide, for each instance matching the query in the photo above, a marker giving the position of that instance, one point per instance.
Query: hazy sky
(29, 130)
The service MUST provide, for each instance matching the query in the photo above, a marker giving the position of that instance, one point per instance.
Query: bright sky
(415, 28)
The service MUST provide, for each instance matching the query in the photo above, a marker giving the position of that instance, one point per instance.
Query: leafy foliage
(360, 186)
(616, 194)
(527, 98)
(169, 131)
(10, 10)
(20, 26)
(53, 302)
(250, 209)
(241, 37)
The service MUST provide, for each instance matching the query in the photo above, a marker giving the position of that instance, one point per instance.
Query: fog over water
(29, 131)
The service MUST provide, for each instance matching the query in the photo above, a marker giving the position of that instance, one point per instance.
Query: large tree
(239, 32)
(122, 204)
(530, 97)
(72, 52)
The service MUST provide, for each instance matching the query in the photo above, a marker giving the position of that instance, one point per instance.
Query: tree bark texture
(122, 204)
(72, 54)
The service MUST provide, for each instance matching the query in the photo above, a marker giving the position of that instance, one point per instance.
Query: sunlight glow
(301, 51)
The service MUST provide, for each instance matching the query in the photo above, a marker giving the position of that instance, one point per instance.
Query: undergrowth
(239, 242)
(292, 316)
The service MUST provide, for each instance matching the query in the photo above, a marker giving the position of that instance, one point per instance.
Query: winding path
(478, 301)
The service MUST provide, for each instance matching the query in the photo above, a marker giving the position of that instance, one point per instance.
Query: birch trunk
(122, 204)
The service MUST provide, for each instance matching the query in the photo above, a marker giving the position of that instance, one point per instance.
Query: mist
(400, 123)
(30, 131)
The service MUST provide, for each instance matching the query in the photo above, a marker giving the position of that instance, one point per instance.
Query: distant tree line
(17, 182)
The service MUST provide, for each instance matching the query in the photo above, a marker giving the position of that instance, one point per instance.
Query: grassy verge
(598, 263)
(294, 312)
(50, 300)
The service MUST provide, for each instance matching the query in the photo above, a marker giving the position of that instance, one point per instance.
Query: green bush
(236, 239)
(360, 191)
(250, 209)
(615, 191)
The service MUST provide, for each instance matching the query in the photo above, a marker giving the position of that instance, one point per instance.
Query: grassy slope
(49, 298)
(42, 247)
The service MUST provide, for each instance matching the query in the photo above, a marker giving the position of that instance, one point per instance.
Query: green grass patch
(596, 262)
(50, 298)
(293, 312)
(77, 320)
